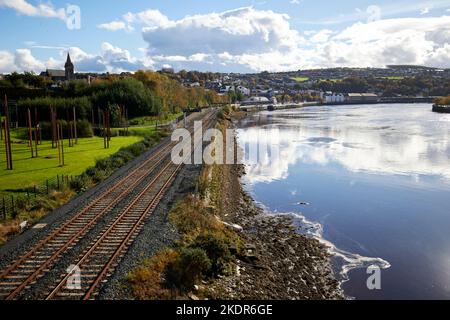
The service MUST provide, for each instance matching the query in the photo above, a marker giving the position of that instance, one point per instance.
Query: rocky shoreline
(280, 263)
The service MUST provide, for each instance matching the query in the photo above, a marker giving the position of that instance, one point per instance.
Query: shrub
(217, 251)
(81, 183)
(103, 164)
(188, 268)
(124, 154)
(117, 161)
(148, 281)
(190, 216)
(91, 171)
(84, 129)
(136, 149)
(99, 176)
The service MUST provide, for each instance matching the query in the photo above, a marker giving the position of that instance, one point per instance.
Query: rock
(193, 296)
(233, 226)
(23, 225)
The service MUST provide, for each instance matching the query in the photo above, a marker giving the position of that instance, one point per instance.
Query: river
(370, 181)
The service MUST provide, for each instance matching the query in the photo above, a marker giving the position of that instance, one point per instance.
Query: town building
(334, 97)
(361, 98)
(243, 90)
(68, 74)
(256, 100)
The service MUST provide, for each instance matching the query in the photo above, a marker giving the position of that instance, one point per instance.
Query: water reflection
(377, 179)
(373, 144)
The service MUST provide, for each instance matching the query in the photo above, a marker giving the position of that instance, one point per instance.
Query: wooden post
(92, 117)
(126, 121)
(58, 145)
(104, 129)
(62, 147)
(109, 127)
(36, 141)
(1, 127)
(75, 125)
(9, 165)
(30, 133)
(69, 132)
(6, 144)
(54, 128)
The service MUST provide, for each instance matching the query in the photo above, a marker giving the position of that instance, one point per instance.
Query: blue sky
(242, 36)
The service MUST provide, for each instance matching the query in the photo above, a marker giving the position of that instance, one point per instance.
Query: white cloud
(374, 11)
(113, 26)
(321, 36)
(240, 31)
(41, 10)
(25, 61)
(247, 39)
(392, 41)
(110, 58)
(6, 62)
(294, 1)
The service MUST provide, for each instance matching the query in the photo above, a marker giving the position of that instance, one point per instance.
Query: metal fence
(11, 204)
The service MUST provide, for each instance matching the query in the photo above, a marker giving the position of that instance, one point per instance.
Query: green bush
(103, 164)
(84, 129)
(217, 251)
(91, 171)
(188, 268)
(136, 149)
(117, 161)
(81, 183)
(100, 175)
(124, 154)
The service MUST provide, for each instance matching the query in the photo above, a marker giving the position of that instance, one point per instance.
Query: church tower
(70, 73)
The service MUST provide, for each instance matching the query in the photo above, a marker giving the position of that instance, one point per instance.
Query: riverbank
(279, 263)
(233, 249)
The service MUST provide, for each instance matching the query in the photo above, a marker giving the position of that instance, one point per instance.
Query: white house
(334, 97)
(243, 90)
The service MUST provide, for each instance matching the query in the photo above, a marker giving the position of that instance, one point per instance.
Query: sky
(222, 36)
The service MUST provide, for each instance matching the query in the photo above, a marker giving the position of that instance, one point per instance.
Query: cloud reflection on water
(416, 145)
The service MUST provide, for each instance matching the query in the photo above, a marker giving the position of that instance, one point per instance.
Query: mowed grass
(300, 79)
(395, 78)
(30, 171)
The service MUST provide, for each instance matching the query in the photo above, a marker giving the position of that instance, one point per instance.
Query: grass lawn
(28, 171)
(395, 78)
(300, 79)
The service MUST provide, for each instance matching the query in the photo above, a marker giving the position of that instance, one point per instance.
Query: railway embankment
(228, 248)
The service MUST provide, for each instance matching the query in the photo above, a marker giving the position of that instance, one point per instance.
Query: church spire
(70, 69)
(68, 61)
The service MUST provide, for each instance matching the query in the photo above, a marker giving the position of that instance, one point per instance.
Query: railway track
(98, 260)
